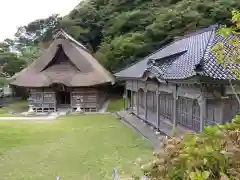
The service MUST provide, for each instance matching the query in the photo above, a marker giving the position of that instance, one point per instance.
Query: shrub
(211, 155)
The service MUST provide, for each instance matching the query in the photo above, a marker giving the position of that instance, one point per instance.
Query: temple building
(65, 76)
(182, 85)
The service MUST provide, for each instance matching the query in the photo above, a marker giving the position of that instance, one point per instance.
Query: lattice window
(150, 100)
(154, 102)
(166, 105)
(91, 98)
(235, 107)
(196, 115)
(48, 97)
(77, 97)
(188, 113)
(134, 99)
(36, 96)
(211, 114)
(182, 111)
(141, 98)
(212, 111)
(169, 107)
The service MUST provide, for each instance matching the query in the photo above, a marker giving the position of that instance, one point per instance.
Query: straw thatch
(66, 61)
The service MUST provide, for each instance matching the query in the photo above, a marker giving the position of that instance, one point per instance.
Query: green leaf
(205, 175)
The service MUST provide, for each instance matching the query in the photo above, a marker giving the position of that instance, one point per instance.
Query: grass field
(73, 147)
(116, 105)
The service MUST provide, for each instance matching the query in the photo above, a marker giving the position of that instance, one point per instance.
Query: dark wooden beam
(175, 107)
(202, 104)
(146, 108)
(158, 112)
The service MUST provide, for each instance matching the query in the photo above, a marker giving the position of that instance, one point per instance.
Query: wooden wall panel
(141, 85)
(135, 85)
(229, 91)
(213, 112)
(230, 107)
(189, 92)
(168, 88)
(42, 100)
(86, 99)
(129, 84)
(151, 86)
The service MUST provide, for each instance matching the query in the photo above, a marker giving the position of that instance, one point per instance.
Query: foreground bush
(211, 155)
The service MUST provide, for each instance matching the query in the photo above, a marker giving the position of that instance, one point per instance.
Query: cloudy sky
(15, 13)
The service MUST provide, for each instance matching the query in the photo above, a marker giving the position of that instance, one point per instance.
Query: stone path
(105, 106)
(166, 127)
(30, 118)
(40, 116)
(142, 129)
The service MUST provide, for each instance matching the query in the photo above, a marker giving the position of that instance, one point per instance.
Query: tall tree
(121, 32)
(228, 50)
(35, 32)
(10, 63)
(158, 22)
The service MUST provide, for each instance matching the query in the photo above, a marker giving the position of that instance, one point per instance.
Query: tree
(35, 32)
(111, 28)
(229, 57)
(121, 51)
(30, 53)
(228, 50)
(158, 22)
(10, 62)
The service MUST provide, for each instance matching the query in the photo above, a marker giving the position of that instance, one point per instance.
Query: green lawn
(73, 147)
(116, 105)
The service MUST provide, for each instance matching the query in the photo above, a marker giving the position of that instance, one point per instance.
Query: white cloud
(15, 13)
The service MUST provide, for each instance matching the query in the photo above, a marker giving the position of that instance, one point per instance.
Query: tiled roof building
(182, 83)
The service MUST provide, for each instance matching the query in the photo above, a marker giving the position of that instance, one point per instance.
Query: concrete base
(157, 132)
(79, 110)
(30, 110)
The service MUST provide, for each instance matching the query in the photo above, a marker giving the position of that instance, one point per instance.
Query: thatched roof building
(66, 64)
(66, 61)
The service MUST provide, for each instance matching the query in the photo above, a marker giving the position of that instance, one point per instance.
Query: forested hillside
(119, 32)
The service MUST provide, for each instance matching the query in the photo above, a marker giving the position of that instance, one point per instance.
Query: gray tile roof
(134, 71)
(211, 67)
(179, 59)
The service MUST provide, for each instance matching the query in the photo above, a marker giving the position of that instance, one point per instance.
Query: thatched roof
(66, 61)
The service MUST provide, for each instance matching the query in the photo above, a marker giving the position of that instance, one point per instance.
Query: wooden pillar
(137, 103)
(132, 97)
(158, 112)
(126, 99)
(202, 104)
(175, 108)
(137, 100)
(221, 115)
(145, 102)
(55, 102)
(71, 99)
(132, 100)
(42, 93)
